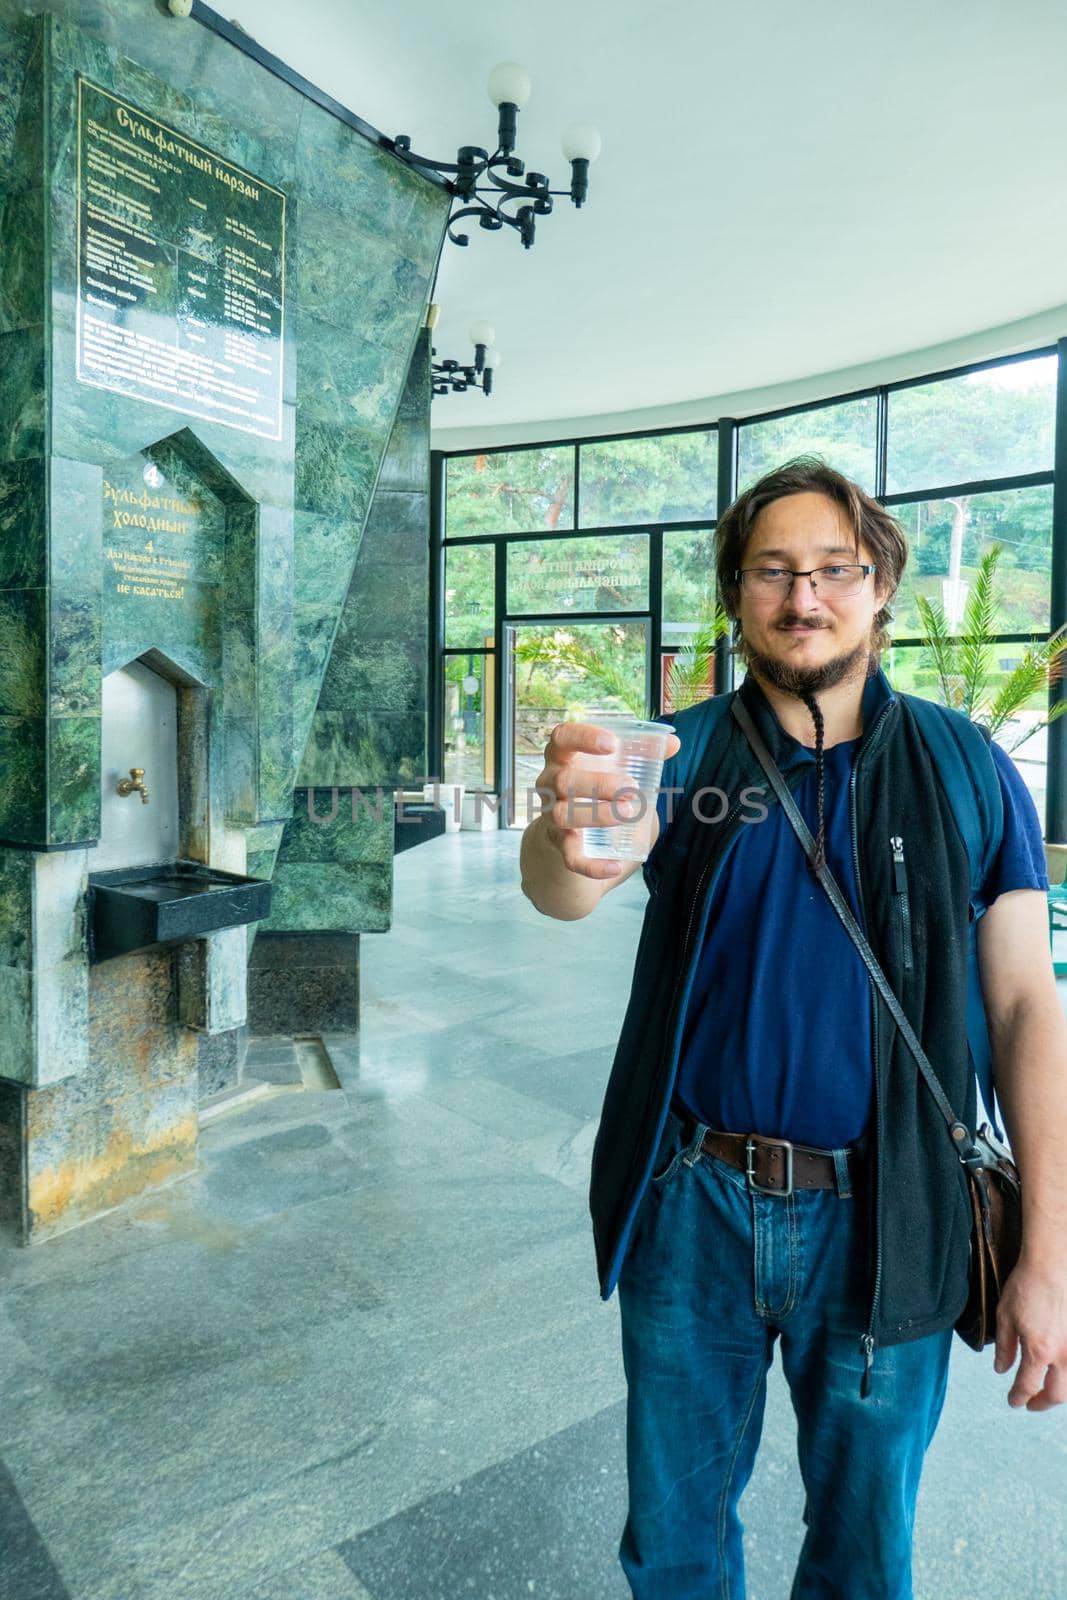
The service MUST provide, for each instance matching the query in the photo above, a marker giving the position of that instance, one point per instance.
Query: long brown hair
(869, 521)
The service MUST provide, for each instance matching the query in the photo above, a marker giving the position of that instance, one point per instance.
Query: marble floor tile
(490, 1104)
(360, 1353)
(573, 1083)
(27, 1571)
(560, 1031)
(326, 1576)
(543, 1522)
(280, 1066)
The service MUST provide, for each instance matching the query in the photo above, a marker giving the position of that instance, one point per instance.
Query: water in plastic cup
(640, 753)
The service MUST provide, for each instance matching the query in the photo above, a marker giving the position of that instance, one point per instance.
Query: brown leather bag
(996, 1237)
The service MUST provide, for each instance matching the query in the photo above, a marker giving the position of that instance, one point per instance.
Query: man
(769, 1163)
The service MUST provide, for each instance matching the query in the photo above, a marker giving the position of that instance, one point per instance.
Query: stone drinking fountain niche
(145, 888)
(177, 221)
(185, 750)
(142, 933)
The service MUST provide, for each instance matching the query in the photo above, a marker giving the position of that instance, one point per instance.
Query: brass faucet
(133, 784)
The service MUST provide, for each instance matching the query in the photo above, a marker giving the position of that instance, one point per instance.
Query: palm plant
(687, 679)
(964, 662)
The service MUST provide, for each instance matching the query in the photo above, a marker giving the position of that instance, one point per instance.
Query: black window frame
(728, 430)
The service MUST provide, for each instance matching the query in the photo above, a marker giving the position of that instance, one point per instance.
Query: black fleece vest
(918, 1217)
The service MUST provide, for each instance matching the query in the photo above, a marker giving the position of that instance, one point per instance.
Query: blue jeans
(714, 1274)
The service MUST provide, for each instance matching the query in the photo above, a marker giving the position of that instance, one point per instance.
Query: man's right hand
(587, 796)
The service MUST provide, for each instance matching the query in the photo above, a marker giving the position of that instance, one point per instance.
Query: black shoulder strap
(968, 1153)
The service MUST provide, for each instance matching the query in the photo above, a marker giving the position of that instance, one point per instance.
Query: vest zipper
(867, 1338)
(900, 885)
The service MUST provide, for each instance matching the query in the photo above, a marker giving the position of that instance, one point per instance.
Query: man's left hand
(1033, 1312)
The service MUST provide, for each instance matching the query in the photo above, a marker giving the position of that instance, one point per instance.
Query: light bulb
(509, 83)
(581, 142)
(492, 359)
(481, 333)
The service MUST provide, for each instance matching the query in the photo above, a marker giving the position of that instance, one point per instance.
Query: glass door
(562, 670)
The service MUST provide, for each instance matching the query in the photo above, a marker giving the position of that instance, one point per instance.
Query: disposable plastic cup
(640, 754)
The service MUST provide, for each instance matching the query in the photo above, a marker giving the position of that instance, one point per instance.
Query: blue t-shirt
(777, 1032)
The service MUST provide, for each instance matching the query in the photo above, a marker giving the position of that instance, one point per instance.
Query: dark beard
(807, 681)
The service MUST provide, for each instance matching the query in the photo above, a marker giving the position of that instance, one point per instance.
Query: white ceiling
(784, 190)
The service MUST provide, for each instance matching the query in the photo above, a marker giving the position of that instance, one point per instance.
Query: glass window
(687, 673)
(988, 424)
(946, 540)
(910, 669)
(510, 491)
(595, 574)
(688, 577)
(844, 435)
(469, 594)
(1029, 750)
(468, 688)
(666, 477)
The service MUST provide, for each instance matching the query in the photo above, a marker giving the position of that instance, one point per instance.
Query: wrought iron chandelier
(509, 90)
(454, 377)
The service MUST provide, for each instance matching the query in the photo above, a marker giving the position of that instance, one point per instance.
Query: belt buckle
(750, 1171)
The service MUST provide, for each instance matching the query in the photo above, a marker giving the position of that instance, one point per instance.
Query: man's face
(805, 640)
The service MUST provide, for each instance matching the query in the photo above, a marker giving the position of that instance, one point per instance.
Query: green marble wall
(368, 733)
(335, 870)
(24, 489)
(280, 522)
(369, 725)
(357, 218)
(44, 980)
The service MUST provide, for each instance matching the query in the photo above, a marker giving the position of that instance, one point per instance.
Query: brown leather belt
(777, 1166)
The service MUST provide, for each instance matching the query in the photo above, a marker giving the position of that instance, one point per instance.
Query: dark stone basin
(132, 908)
(418, 823)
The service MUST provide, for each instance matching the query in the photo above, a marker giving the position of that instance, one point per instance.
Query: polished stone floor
(361, 1355)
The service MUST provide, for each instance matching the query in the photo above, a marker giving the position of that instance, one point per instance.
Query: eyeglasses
(838, 580)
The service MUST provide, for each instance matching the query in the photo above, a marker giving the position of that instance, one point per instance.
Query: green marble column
(99, 1065)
